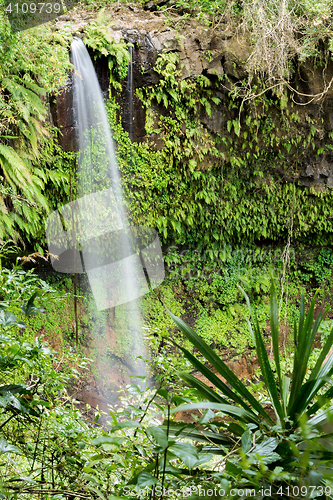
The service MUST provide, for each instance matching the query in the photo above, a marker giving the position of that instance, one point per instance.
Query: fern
(100, 40)
(14, 168)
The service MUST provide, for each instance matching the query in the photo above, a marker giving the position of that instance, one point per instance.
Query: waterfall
(112, 264)
(129, 92)
(92, 237)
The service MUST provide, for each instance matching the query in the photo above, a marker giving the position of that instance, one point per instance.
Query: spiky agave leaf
(291, 398)
(222, 369)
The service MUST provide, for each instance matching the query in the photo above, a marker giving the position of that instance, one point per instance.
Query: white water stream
(114, 271)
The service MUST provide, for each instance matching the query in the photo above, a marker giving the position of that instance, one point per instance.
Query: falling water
(129, 92)
(118, 326)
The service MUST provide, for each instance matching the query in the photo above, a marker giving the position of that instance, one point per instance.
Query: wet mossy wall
(203, 166)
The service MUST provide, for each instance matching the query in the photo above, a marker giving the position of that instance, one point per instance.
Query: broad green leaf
(266, 446)
(98, 492)
(146, 479)
(7, 318)
(247, 441)
(209, 415)
(266, 451)
(159, 435)
(12, 388)
(233, 468)
(185, 452)
(173, 94)
(29, 308)
(126, 425)
(236, 429)
(164, 393)
(178, 429)
(204, 458)
(5, 447)
(233, 411)
(20, 324)
(268, 458)
(116, 441)
(236, 127)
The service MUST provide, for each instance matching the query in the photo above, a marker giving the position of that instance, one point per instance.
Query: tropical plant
(15, 398)
(6, 249)
(282, 438)
(33, 384)
(99, 38)
(32, 64)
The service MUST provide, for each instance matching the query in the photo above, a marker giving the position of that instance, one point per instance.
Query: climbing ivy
(185, 138)
(239, 187)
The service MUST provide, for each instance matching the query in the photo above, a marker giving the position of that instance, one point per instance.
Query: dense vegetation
(211, 188)
(234, 224)
(49, 448)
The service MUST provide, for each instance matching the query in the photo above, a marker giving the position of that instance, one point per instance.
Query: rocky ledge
(154, 28)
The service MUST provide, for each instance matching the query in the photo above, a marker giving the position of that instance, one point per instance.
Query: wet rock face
(202, 51)
(317, 172)
(61, 109)
(102, 71)
(315, 95)
(143, 74)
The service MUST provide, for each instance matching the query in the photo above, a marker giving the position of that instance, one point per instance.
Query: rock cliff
(202, 51)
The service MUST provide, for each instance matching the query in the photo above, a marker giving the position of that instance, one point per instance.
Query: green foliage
(17, 284)
(31, 384)
(321, 267)
(185, 138)
(32, 63)
(99, 38)
(283, 450)
(96, 5)
(207, 190)
(45, 443)
(325, 330)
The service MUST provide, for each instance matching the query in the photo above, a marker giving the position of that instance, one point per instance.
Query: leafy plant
(281, 439)
(6, 249)
(15, 399)
(219, 188)
(17, 284)
(33, 63)
(99, 38)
